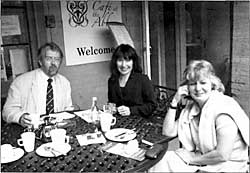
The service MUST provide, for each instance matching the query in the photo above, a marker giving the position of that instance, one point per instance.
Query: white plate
(62, 116)
(17, 154)
(52, 150)
(120, 134)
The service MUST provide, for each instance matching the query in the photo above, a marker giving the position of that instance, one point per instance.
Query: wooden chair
(164, 96)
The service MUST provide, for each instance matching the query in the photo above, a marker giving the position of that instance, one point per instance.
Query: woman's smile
(200, 90)
(124, 66)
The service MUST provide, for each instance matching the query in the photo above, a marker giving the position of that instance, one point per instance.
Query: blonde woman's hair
(202, 68)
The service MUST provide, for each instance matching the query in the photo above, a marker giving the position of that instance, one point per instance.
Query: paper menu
(90, 138)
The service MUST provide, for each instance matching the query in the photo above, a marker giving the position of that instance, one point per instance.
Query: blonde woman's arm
(226, 131)
(170, 124)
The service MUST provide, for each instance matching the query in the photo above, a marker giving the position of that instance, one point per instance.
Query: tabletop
(87, 158)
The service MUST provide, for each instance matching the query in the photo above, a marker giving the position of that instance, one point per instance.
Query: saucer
(17, 154)
(50, 150)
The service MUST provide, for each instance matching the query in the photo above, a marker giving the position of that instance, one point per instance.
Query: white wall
(241, 55)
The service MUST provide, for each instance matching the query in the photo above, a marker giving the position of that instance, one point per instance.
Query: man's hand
(123, 110)
(25, 120)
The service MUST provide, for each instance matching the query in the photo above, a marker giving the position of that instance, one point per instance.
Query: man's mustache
(52, 66)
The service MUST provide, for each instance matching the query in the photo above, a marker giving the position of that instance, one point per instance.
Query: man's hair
(49, 46)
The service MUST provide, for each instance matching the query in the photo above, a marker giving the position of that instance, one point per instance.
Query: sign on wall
(87, 38)
(10, 25)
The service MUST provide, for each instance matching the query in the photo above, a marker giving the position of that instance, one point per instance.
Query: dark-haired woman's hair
(202, 68)
(128, 53)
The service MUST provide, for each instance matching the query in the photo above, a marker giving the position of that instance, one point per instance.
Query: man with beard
(27, 95)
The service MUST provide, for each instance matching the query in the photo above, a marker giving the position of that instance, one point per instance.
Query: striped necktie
(49, 98)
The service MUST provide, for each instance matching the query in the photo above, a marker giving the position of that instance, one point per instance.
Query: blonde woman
(212, 127)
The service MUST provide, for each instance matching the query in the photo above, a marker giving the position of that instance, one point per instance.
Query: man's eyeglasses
(50, 59)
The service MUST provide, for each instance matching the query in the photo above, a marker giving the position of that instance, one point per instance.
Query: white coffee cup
(27, 141)
(107, 120)
(7, 151)
(58, 137)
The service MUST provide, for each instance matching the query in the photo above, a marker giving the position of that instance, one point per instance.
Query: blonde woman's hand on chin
(123, 110)
(180, 94)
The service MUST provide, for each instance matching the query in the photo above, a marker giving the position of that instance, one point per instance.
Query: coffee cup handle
(20, 142)
(67, 139)
(113, 121)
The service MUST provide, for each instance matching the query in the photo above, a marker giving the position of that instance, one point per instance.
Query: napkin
(62, 116)
(85, 115)
(121, 149)
(90, 138)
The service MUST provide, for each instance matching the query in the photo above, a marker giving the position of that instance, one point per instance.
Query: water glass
(110, 108)
(107, 108)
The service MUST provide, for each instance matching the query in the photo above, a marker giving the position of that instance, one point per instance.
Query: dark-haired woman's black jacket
(137, 94)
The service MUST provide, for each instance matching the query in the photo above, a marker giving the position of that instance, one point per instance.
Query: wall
(217, 48)
(170, 36)
(162, 42)
(157, 42)
(132, 18)
(241, 55)
(90, 80)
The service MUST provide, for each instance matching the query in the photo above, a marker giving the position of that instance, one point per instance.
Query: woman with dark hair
(212, 127)
(128, 88)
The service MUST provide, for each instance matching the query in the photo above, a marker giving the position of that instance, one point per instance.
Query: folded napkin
(90, 138)
(85, 115)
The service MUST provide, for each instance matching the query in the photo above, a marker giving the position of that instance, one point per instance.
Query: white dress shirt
(27, 94)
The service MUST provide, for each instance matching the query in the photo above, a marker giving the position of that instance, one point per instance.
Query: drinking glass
(110, 108)
(107, 108)
(113, 108)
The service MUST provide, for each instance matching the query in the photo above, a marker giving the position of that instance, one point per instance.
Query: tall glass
(110, 108)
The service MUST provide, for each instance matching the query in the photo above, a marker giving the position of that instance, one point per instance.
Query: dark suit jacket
(138, 94)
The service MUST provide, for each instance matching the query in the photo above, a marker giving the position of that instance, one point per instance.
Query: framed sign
(120, 33)
(3, 69)
(10, 25)
(87, 38)
(18, 59)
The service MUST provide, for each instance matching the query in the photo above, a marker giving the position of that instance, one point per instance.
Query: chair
(164, 96)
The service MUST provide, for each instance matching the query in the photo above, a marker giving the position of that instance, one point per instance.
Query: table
(85, 158)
